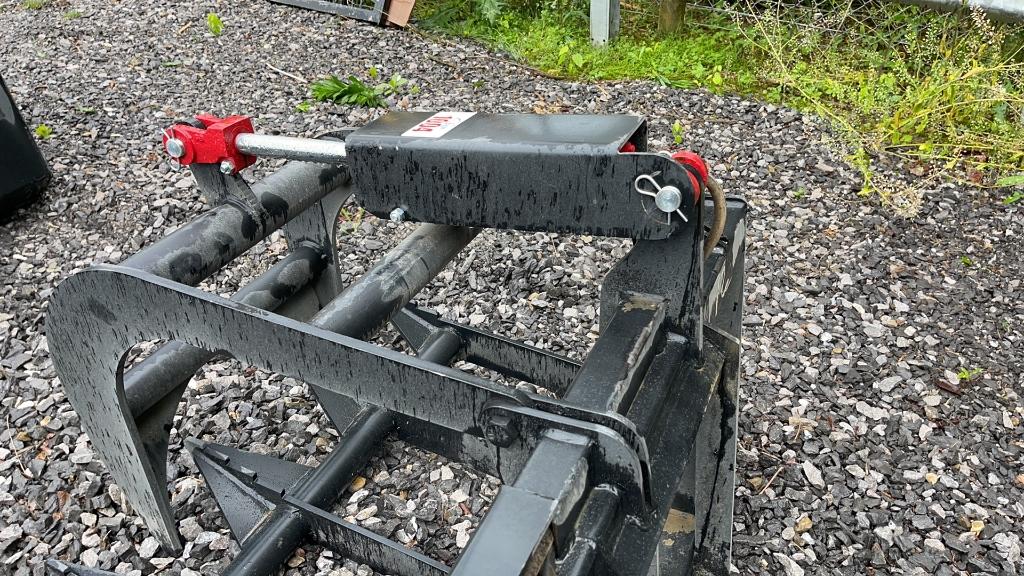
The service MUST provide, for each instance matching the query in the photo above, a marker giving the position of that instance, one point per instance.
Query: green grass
(34, 4)
(72, 15)
(560, 46)
(943, 90)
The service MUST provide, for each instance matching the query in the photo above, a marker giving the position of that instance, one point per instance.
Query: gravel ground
(862, 451)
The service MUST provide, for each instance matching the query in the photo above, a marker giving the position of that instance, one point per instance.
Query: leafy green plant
(966, 375)
(1007, 181)
(350, 220)
(304, 106)
(395, 84)
(1017, 196)
(43, 131)
(34, 4)
(444, 16)
(349, 91)
(800, 192)
(352, 90)
(489, 9)
(966, 261)
(214, 24)
(677, 133)
(937, 89)
(575, 61)
(72, 15)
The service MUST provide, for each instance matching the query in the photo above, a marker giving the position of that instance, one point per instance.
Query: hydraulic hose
(718, 224)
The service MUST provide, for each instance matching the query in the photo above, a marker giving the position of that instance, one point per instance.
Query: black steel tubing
(343, 463)
(357, 312)
(275, 540)
(369, 303)
(595, 518)
(174, 363)
(198, 249)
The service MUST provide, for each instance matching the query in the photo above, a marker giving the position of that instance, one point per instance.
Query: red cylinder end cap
(694, 161)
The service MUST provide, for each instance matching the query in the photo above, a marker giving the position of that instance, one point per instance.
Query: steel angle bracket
(118, 307)
(259, 488)
(508, 357)
(613, 460)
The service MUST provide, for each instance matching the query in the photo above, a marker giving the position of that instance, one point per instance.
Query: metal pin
(668, 199)
(175, 147)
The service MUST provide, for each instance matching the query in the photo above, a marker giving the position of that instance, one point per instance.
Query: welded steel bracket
(554, 173)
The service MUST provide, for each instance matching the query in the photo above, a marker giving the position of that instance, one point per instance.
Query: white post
(604, 21)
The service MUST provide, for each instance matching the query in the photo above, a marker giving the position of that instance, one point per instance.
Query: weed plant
(941, 90)
(352, 90)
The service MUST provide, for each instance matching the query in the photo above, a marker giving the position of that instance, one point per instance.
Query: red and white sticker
(438, 125)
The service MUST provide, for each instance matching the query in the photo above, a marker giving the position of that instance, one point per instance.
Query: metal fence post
(604, 21)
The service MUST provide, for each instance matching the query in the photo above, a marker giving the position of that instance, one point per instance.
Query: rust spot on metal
(678, 522)
(638, 302)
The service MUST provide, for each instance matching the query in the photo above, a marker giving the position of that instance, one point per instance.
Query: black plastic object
(23, 170)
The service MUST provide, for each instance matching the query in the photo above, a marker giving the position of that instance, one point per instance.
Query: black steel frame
(628, 472)
(373, 14)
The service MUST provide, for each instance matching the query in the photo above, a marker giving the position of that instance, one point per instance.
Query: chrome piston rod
(291, 148)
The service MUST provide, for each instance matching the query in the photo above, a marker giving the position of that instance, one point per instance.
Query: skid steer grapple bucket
(626, 469)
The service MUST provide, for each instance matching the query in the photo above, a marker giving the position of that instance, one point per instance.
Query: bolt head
(175, 147)
(501, 431)
(227, 167)
(669, 199)
(397, 215)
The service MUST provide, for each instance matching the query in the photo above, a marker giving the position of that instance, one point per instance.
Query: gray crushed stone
(854, 458)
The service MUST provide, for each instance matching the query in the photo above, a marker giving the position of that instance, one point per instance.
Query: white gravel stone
(1009, 546)
(366, 513)
(148, 548)
(813, 474)
(789, 565)
(934, 545)
(871, 411)
(888, 384)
